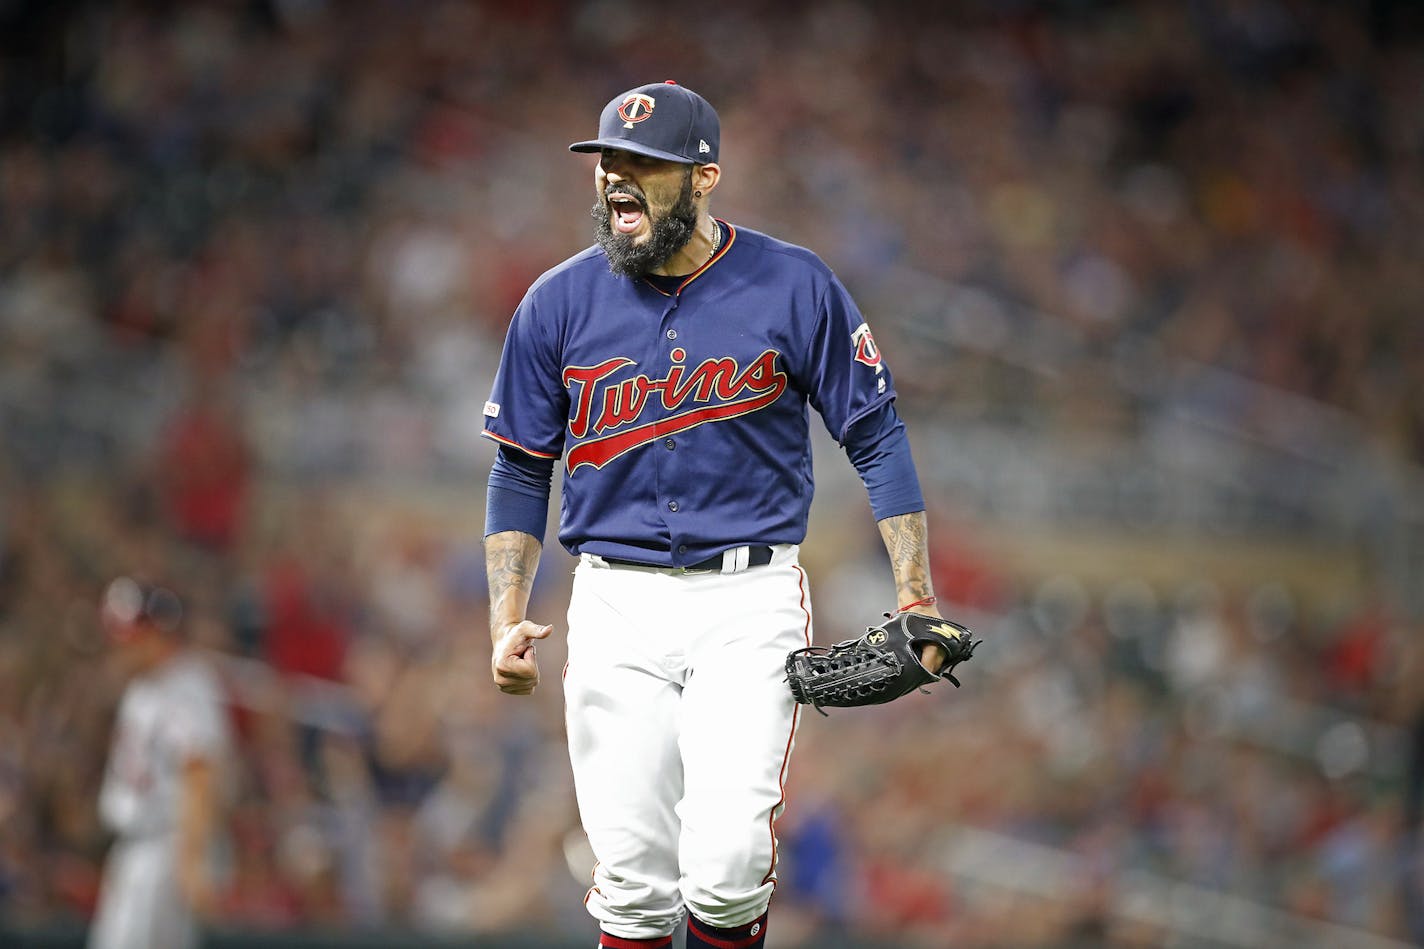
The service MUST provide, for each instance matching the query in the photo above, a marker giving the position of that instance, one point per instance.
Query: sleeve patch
(492, 409)
(865, 349)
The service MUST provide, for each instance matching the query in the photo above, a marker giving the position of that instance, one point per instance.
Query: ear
(704, 177)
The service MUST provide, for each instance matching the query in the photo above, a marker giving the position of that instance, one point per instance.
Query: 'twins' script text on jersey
(622, 403)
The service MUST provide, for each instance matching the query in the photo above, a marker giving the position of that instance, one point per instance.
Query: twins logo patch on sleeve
(865, 349)
(867, 353)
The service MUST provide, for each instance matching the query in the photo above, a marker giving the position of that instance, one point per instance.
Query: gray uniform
(166, 718)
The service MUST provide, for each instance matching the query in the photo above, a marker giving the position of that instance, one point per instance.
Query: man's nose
(612, 166)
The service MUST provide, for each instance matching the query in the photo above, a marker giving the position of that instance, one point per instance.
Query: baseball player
(671, 366)
(161, 788)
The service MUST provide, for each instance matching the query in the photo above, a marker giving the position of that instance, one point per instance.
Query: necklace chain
(716, 239)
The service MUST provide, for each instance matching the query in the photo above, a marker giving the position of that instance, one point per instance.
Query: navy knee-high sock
(747, 936)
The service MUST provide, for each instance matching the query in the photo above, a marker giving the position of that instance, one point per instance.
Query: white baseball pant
(680, 731)
(140, 905)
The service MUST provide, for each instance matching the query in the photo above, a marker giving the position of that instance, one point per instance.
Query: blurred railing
(1204, 451)
(71, 936)
(1194, 916)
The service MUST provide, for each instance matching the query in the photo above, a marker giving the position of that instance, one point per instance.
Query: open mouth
(627, 212)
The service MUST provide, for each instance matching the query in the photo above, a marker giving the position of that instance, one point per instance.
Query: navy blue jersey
(681, 411)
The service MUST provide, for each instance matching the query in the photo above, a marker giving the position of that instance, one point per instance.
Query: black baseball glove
(878, 667)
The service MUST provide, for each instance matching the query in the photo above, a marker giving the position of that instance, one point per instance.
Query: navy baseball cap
(660, 120)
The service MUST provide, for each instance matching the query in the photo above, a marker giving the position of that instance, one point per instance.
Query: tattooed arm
(906, 541)
(511, 557)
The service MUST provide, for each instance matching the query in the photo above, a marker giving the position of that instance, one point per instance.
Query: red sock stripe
(696, 929)
(618, 942)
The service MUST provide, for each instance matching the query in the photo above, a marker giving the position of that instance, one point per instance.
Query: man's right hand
(515, 664)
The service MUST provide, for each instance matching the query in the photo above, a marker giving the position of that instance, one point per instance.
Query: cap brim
(623, 144)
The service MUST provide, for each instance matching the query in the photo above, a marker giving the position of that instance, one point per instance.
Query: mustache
(626, 190)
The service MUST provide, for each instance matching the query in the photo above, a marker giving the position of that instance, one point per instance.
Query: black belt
(757, 556)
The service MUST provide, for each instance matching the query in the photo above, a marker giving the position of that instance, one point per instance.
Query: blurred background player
(161, 789)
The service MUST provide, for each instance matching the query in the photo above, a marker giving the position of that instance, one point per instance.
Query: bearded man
(672, 367)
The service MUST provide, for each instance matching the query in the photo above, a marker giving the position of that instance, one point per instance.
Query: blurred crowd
(256, 259)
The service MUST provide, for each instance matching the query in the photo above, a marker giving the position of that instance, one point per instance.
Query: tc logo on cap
(635, 108)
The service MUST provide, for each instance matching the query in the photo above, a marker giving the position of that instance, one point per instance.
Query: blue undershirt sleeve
(880, 450)
(519, 486)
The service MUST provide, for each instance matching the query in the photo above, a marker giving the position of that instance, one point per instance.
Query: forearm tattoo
(906, 541)
(511, 558)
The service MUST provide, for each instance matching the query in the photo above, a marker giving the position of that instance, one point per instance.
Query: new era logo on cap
(660, 120)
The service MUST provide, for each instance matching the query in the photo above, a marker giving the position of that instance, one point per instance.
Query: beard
(671, 230)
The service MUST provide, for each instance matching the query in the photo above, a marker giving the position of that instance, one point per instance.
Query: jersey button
(672, 506)
(682, 548)
(669, 444)
(672, 334)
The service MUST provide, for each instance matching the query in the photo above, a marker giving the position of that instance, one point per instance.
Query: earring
(697, 194)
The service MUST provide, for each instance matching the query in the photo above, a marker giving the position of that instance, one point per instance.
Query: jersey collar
(721, 252)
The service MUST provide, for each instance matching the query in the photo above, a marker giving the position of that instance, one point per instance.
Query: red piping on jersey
(528, 451)
(790, 740)
(731, 239)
